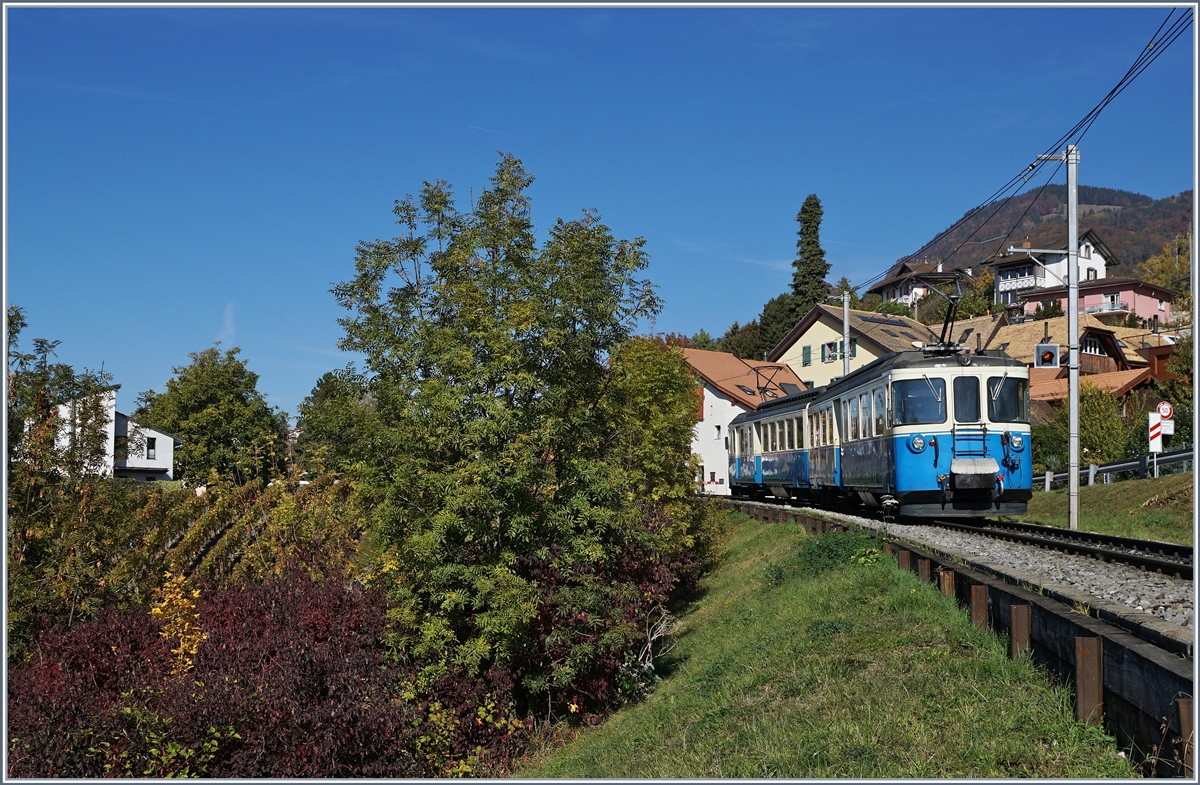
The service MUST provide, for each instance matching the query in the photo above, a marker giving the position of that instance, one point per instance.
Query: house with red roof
(730, 386)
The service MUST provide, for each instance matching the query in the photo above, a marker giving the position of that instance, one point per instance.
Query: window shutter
(853, 347)
(806, 355)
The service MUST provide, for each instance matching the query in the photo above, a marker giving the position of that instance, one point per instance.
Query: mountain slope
(1133, 226)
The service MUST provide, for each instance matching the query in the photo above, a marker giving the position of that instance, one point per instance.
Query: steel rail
(1166, 558)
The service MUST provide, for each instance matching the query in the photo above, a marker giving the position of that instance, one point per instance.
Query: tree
(517, 521)
(1048, 309)
(743, 340)
(225, 423)
(808, 280)
(976, 299)
(1171, 270)
(337, 423)
(844, 285)
(1103, 430)
(702, 340)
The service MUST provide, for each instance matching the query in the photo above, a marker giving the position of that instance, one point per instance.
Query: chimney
(1045, 332)
(939, 267)
(1025, 243)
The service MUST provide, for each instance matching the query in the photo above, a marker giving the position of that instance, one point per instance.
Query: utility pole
(846, 333)
(1071, 157)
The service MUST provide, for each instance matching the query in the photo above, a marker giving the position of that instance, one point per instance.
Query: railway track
(1130, 666)
(1162, 557)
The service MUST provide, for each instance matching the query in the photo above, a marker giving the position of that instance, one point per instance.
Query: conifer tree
(808, 281)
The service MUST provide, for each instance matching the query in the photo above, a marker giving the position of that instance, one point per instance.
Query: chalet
(1099, 351)
(1020, 273)
(906, 282)
(730, 386)
(813, 348)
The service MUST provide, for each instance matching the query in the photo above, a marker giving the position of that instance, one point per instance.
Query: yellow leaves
(176, 608)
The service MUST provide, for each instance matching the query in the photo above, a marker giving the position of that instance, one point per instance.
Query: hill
(1135, 227)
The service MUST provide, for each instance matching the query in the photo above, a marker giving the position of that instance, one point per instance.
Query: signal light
(1045, 355)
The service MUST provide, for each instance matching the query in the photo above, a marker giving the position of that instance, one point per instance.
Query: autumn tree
(1171, 269)
(227, 428)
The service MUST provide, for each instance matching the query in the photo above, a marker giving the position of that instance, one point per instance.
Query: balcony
(1016, 284)
(1112, 307)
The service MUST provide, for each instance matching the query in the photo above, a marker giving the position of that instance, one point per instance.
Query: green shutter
(806, 355)
(853, 347)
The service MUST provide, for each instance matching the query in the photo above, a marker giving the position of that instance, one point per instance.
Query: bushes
(290, 681)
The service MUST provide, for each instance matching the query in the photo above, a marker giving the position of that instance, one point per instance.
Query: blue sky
(180, 176)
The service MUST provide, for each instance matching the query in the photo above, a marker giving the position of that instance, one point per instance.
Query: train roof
(897, 360)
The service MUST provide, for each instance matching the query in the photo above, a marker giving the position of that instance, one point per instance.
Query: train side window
(774, 437)
(758, 437)
(880, 409)
(788, 426)
(852, 410)
(864, 403)
(966, 399)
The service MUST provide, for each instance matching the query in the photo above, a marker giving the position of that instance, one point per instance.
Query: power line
(1159, 42)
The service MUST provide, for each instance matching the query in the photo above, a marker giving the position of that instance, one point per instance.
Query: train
(937, 432)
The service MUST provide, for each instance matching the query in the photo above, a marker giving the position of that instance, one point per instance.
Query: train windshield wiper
(932, 389)
(999, 386)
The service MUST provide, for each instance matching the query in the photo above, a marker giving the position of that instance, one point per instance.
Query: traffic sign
(1165, 410)
(1168, 427)
(1155, 432)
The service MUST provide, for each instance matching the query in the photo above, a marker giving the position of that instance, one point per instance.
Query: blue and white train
(943, 431)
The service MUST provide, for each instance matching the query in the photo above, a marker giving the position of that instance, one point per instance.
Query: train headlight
(1017, 441)
(916, 443)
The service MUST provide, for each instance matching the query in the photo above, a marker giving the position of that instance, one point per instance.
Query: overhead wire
(1159, 43)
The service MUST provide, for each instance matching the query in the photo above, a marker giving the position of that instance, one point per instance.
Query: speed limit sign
(1165, 410)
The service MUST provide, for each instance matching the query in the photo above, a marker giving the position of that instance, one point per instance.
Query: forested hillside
(1133, 226)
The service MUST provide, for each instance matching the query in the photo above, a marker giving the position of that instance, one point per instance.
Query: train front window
(966, 399)
(1008, 399)
(919, 401)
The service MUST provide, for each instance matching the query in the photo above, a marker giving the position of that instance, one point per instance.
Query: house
(899, 285)
(142, 452)
(729, 387)
(130, 449)
(1110, 298)
(813, 348)
(1019, 274)
(1099, 351)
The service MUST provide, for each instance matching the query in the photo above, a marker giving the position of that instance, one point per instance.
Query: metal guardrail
(1139, 465)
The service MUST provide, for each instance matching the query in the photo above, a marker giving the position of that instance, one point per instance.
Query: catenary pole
(846, 333)
(1072, 156)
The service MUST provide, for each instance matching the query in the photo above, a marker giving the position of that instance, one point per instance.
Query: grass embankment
(1149, 509)
(800, 662)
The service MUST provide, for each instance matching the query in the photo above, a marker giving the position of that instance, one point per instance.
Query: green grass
(1150, 509)
(791, 667)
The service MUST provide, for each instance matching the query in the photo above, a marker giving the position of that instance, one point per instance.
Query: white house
(146, 453)
(130, 449)
(1019, 273)
(730, 386)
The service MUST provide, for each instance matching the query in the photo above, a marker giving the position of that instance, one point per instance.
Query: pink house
(1111, 297)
